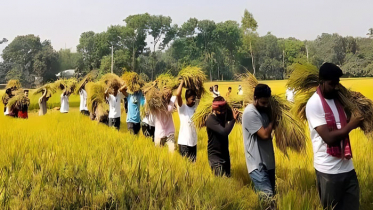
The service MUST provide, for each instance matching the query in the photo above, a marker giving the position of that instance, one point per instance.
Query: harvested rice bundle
(148, 86)
(18, 99)
(155, 101)
(193, 78)
(50, 88)
(299, 107)
(65, 84)
(249, 83)
(96, 101)
(305, 77)
(289, 132)
(357, 103)
(166, 80)
(305, 80)
(90, 77)
(108, 78)
(133, 82)
(204, 109)
(15, 84)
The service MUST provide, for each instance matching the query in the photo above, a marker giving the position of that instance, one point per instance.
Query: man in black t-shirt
(219, 125)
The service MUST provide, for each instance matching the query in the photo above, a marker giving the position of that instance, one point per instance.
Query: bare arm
(216, 127)
(331, 137)
(106, 94)
(45, 93)
(123, 89)
(265, 133)
(178, 94)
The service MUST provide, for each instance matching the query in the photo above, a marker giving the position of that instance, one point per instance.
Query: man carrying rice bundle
(164, 125)
(215, 91)
(65, 101)
(187, 135)
(257, 128)
(337, 182)
(114, 100)
(8, 95)
(43, 102)
(219, 125)
(83, 100)
(22, 105)
(133, 115)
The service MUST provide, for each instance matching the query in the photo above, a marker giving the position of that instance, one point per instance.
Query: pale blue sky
(62, 21)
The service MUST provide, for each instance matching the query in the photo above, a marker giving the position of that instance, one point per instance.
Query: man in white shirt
(240, 90)
(336, 178)
(187, 134)
(290, 95)
(114, 104)
(215, 91)
(65, 101)
(83, 100)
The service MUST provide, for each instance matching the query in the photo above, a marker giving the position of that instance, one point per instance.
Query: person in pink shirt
(164, 124)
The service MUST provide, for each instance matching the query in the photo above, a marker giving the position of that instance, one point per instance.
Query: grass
(66, 161)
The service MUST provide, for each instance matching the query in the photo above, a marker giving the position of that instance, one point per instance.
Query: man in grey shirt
(259, 153)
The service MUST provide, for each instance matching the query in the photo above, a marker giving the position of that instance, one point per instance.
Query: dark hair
(8, 91)
(216, 86)
(189, 93)
(229, 88)
(218, 98)
(329, 71)
(262, 91)
(25, 91)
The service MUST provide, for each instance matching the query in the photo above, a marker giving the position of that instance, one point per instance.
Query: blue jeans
(264, 182)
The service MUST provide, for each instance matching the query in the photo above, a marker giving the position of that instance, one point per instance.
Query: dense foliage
(221, 49)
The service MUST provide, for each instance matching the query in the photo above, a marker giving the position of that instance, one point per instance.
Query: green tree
(249, 27)
(87, 49)
(228, 35)
(46, 62)
(135, 35)
(206, 42)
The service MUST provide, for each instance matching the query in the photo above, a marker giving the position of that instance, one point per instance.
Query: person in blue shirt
(133, 115)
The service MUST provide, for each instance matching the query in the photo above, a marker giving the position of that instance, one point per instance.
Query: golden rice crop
(66, 161)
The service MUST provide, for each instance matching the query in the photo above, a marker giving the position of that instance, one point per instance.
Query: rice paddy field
(66, 161)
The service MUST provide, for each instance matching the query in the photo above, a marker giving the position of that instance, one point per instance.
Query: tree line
(222, 49)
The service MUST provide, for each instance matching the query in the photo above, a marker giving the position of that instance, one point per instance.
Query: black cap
(329, 71)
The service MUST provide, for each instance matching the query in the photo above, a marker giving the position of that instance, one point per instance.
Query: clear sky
(62, 21)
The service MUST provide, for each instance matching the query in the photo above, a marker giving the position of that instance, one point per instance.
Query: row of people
(329, 127)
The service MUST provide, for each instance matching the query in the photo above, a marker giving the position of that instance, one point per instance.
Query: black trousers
(338, 191)
(221, 168)
(84, 112)
(114, 122)
(134, 128)
(189, 152)
(148, 130)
